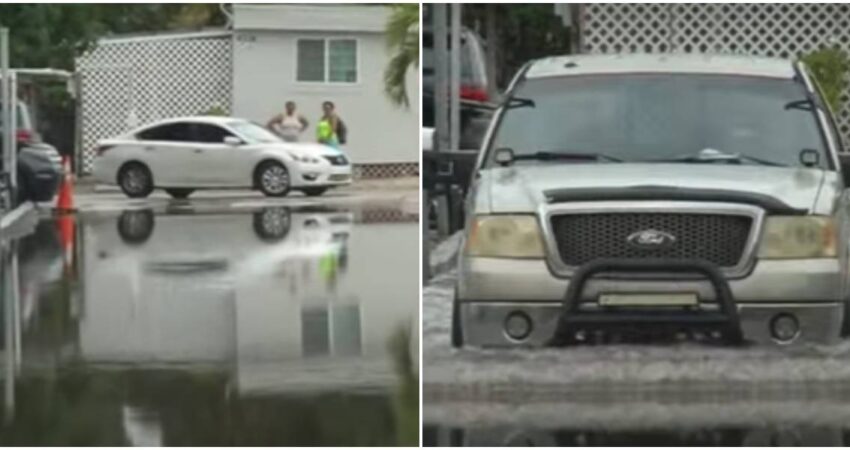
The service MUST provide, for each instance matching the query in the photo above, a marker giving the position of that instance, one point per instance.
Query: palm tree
(403, 41)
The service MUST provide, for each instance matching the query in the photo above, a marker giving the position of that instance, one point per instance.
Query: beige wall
(264, 67)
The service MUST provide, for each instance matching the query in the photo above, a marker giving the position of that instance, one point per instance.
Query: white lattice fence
(777, 30)
(127, 83)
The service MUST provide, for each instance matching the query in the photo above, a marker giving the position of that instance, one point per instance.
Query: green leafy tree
(402, 38)
(53, 35)
(517, 32)
(829, 65)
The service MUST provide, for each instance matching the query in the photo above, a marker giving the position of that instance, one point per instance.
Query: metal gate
(784, 30)
(128, 82)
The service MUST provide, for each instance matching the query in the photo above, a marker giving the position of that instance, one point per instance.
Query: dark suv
(39, 164)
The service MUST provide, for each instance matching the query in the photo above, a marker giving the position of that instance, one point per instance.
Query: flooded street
(621, 394)
(183, 324)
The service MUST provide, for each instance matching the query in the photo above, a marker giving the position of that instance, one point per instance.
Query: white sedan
(185, 154)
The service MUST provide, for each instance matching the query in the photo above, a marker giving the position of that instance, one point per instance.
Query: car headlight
(788, 237)
(304, 158)
(505, 236)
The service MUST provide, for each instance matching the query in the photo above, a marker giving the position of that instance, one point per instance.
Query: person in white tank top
(288, 125)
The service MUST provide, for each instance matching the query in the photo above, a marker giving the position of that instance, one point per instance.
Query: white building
(272, 54)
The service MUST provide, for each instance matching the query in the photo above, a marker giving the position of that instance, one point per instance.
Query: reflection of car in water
(269, 290)
(269, 224)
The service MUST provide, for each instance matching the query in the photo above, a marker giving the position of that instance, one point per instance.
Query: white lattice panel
(782, 30)
(127, 83)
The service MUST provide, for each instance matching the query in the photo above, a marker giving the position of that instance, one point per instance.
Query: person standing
(288, 125)
(330, 130)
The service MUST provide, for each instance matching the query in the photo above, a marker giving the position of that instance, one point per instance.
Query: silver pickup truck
(689, 195)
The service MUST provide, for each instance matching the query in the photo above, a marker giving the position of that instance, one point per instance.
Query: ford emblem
(651, 239)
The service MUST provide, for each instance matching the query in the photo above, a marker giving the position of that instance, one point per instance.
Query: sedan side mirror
(232, 141)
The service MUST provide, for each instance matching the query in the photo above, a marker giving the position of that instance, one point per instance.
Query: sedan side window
(169, 132)
(209, 134)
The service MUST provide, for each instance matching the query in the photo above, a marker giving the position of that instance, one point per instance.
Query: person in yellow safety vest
(326, 129)
(328, 264)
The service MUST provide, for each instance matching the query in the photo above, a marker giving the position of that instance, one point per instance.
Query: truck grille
(717, 238)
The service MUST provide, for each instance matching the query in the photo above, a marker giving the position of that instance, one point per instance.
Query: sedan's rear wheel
(135, 180)
(135, 226)
(179, 193)
(273, 179)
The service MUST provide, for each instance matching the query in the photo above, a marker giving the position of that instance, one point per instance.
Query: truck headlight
(787, 237)
(505, 236)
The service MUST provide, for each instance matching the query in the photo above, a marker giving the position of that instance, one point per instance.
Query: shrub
(829, 65)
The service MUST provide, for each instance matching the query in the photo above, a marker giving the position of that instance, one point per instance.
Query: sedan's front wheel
(135, 180)
(273, 179)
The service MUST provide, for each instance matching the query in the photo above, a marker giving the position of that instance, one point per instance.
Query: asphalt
(401, 193)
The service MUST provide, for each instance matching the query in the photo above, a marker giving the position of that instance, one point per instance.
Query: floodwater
(658, 394)
(272, 326)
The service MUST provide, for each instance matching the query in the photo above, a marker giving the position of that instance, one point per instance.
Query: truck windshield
(658, 117)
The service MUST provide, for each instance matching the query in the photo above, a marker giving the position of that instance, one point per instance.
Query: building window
(327, 60)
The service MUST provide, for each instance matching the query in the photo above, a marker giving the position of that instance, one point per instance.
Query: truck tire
(457, 331)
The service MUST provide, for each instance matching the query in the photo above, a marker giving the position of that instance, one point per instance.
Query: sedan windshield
(665, 117)
(255, 134)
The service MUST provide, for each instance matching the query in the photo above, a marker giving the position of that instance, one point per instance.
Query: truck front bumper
(490, 291)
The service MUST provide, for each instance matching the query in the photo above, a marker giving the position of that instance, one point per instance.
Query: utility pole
(441, 104)
(454, 66)
(5, 115)
(441, 78)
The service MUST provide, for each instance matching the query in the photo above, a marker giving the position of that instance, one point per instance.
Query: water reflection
(755, 415)
(272, 327)
(785, 435)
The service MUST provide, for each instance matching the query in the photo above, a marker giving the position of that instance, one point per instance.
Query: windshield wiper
(519, 102)
(709, 155)
(561, 156)
(805, 104)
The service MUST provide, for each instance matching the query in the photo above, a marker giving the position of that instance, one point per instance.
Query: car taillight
(477, 93)
(25, 136)
(101, 149)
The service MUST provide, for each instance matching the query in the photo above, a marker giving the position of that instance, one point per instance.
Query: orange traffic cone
(65, 201)
(65, 224)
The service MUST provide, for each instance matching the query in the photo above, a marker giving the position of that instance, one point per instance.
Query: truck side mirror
(844, 159)
(504, 156)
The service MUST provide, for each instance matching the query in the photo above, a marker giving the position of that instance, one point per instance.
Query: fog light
(518, 325)
(310, 176)
(784, 328)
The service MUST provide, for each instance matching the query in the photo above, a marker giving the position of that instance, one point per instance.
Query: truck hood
(520, 188)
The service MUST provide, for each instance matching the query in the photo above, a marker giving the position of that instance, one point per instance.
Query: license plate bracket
(649, 299)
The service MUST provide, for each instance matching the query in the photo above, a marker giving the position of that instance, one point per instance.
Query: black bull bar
(573, 319)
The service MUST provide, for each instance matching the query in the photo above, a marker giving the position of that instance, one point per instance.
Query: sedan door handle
(197, 150)
(148, 148)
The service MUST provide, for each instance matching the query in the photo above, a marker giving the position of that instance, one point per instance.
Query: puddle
(273, 326)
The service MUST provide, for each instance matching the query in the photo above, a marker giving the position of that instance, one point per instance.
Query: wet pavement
(682, 393)
(219, 322)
